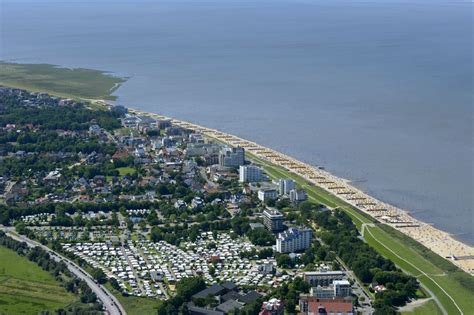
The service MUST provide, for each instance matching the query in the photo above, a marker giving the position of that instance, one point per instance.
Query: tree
(114, 219)
(187, 287)
(383, 309)
(261, 237)
(142, 225)
(114, 283)
(212, 270)
(152, 218)
(156, 235)
(78, 219)
(129, 224)
(284, 260)
(308, 257)
(211, 245)
(99, 275)
(20, 228)
(240, 225)
(265, 253)
(270, 202)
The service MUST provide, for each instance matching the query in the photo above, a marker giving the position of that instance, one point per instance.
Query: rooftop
(273, 213)
(250, 297)
(215, 289)
(229, 305)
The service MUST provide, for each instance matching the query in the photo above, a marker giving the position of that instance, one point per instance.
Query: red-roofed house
(311, 305)
(120, 154)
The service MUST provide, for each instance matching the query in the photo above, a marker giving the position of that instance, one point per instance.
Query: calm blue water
(379, 92)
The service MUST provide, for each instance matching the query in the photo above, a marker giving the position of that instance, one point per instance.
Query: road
(358, 289)
(112, 305)
(139, 284)
(160, 284)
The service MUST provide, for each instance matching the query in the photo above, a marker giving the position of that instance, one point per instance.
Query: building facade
(267, 194)
(314, 306)
(342, 288)
(338, 289)
(322, 292)
(285, 186)
(293, 240)
(322, 278)
(232, 157)
(250, 174)
(273, 220)
(297, 196)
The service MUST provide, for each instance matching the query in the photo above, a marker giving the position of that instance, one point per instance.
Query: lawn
(428, 307)
(135, 305)
(125, 131)
(64, 82)
(442, 278)
(126, 171)
(25, 288)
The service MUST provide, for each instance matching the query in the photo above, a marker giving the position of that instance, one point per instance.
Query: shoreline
(438, 241)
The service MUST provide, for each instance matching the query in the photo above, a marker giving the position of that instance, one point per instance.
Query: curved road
(112, 305)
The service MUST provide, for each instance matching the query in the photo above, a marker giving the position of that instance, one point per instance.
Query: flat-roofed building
(313, 305)
(342, 288)
(285, 186)
(250, 174)
(163, 123)
(273, 219)
(322, 292)
(293, 240)
(338, 289)
(265, 194)
(322, 278)
(232, 157)
(298, 195)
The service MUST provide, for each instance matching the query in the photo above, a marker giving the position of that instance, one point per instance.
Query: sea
(377, 92)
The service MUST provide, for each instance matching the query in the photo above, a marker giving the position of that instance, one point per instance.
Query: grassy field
(25, 288)
(429, 307)
(126, 171)
(135, 305)
(453, 287)
(64, 82)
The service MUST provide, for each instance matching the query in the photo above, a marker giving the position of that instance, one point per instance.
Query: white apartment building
(285, 186)
(298, 195)
(337, 289)
(232, 157)
(293, 240)
(267, 194)
(250, 174)
(273, 219)
(342, 288)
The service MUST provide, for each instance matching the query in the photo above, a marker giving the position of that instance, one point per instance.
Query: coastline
(438, 241)
(404, 221)
(450, 284)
